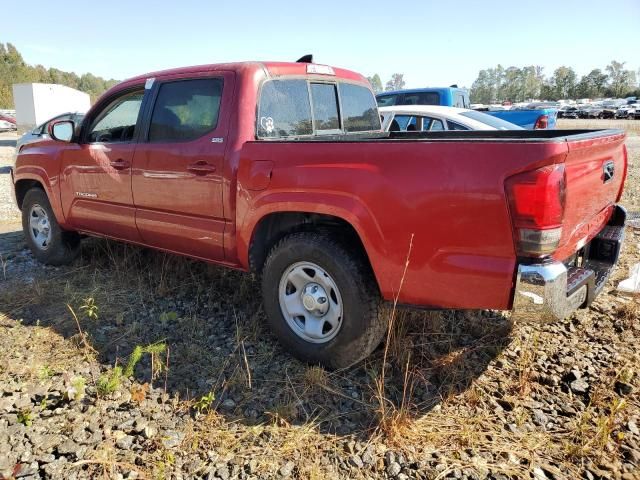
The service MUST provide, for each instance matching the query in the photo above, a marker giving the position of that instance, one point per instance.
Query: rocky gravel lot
(209, 394)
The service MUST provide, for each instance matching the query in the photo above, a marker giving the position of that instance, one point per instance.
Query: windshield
(490, 120)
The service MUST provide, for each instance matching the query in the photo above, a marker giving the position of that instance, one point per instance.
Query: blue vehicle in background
(446, 96)
(531, 118)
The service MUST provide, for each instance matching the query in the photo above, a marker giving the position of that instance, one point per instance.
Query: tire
(355, 300)
(50, 244)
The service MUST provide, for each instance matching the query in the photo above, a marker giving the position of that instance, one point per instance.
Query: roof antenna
(305, 59)
(455, 85)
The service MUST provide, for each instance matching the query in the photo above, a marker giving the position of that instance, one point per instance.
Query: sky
(433, 43)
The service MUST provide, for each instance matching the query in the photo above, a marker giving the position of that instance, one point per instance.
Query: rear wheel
(321, 300)
(47, 241)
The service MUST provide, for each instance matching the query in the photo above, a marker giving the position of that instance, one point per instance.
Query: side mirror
(61, 131)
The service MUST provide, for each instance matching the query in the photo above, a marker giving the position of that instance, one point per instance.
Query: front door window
(117, 122)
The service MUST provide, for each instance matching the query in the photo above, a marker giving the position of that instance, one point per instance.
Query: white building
(36, 103)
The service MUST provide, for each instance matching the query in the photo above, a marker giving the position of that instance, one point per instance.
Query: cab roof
(272, 69)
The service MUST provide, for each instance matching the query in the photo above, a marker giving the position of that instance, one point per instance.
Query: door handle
(119, 164)
(201, 168)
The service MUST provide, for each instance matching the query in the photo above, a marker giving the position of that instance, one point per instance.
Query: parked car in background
(609, 111)
(7, 122)
(563, 109)
(568, 112)
(590, 111)
(627, 111)
(446, 96)
(438, 118)
(41, 132)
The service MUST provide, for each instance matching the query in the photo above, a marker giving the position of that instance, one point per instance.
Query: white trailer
(36, 103)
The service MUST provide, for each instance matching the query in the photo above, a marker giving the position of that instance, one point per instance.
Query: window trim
(153, 97)
(309, 79)
(88, 125)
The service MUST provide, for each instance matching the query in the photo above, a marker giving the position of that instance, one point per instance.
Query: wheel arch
(23, 186)
(270, 227)
(27, 178)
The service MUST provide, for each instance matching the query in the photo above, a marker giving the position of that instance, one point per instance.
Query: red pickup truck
(282, 169)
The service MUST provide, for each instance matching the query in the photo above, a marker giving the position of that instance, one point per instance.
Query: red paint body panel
(448, 194)
(86, 169)
(589, 201)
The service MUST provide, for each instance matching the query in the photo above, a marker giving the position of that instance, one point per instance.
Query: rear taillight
(542, 122)
(537, 200)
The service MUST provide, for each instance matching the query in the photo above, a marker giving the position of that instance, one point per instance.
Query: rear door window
(284, 109)
(185, 110)
(358, 108)
(324, 98)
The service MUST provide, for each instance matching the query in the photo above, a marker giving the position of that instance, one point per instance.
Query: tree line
(13, 69)
(396, 82)
(499, 84)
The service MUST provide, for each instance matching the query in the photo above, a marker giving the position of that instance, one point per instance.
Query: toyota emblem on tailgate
(609, 170)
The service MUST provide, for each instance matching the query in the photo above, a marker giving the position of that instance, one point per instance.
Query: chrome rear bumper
(551, 291)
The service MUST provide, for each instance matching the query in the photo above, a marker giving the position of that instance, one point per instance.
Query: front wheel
(47, 241)
(321, 300)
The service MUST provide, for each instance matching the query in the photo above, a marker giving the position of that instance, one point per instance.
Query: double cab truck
(282, 169)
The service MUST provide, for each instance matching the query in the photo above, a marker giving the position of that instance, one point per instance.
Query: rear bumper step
(551, 291)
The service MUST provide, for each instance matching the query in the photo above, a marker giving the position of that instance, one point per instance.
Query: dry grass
(632, 127)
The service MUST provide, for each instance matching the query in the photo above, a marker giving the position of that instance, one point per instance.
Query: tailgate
(595, 168)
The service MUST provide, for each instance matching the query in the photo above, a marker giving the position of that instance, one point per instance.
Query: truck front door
(96, 173)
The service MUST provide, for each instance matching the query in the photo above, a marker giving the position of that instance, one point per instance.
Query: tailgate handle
(609, 171)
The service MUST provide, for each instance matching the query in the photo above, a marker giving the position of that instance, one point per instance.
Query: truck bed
(449, 193)
(551, 135)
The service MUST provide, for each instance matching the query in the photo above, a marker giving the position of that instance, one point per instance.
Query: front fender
(41, 163)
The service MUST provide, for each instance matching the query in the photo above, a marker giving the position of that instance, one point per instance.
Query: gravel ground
(465, 395)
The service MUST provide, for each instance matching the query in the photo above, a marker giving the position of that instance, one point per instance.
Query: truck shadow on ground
(211, 319)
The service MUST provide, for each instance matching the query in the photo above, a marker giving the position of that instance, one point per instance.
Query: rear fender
(343, 206)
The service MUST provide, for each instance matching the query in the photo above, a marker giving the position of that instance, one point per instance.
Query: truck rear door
(177, 177)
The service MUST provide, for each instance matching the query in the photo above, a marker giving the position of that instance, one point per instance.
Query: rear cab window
(290, 108)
